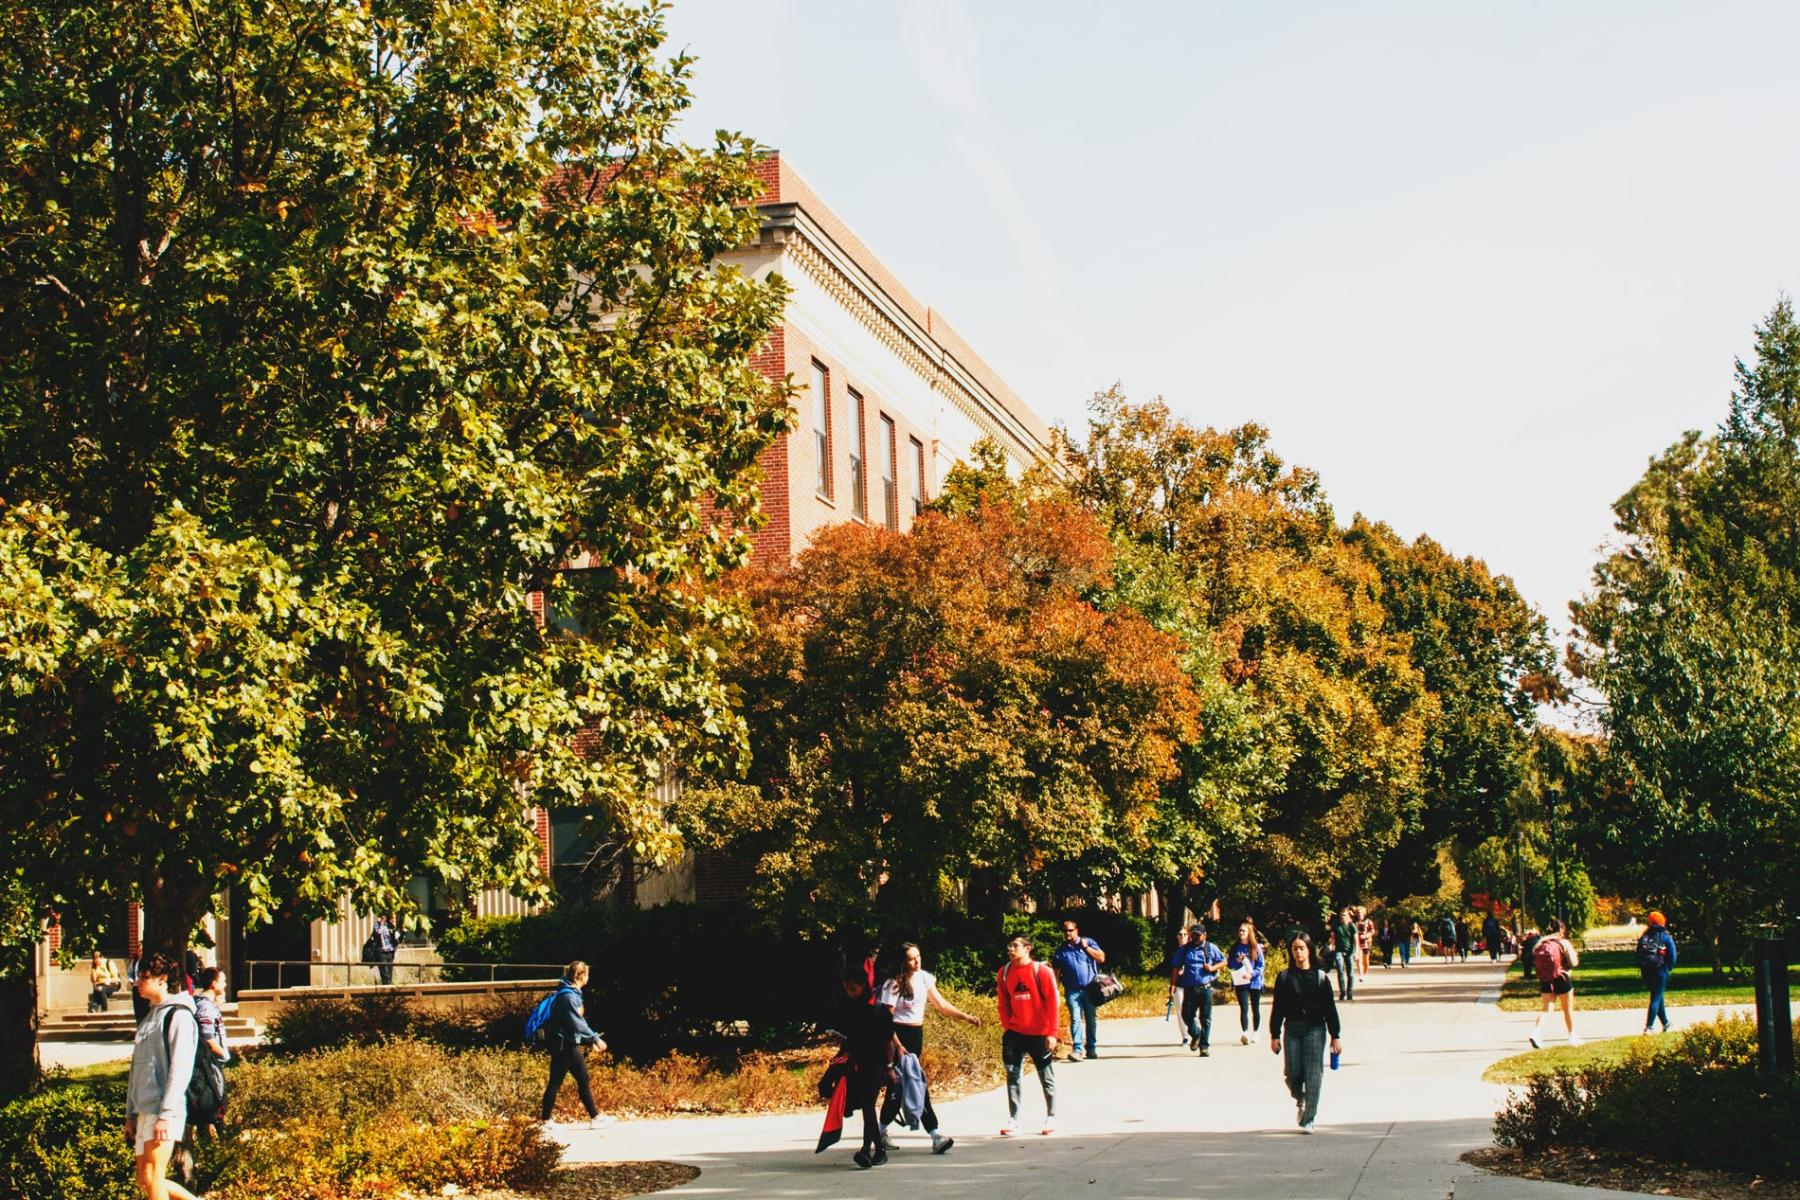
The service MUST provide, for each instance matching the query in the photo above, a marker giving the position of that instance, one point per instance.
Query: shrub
(64, 1144)
(1726, 1114)
(300, 1160)
(306, 1023)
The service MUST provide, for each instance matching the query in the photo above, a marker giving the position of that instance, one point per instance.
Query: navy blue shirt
(1075, 965)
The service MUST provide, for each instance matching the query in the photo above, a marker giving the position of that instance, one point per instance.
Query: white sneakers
(1049, 1126)
(1573, 1040)
(1307, 1128)
(1010, 1128)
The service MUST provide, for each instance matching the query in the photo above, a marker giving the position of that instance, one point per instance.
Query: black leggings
(1249, 1008)
(913, 1038)
(570, 1060)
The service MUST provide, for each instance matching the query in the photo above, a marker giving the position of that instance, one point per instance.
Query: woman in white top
(908, 993)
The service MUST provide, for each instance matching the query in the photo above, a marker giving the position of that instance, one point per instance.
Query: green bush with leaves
(306, 1023)
(64, 1144)
(1728, 1115)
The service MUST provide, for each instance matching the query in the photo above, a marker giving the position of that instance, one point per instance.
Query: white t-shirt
(908, 1012)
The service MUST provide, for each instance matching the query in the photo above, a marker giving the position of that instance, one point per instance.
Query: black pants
(865, 1092)
(570, 1060)
(913, 1038)
(1196, 1013)
(1249, 1008)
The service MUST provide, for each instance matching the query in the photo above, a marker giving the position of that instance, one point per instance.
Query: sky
(1473, 263)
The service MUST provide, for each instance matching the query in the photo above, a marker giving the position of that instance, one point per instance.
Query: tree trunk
(19, 1068)
(171, 913)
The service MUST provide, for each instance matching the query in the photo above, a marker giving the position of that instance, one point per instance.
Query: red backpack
(1547, 957)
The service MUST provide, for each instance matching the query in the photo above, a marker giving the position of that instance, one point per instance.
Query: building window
(859, 505)
(918, 476)
(821, 411)
(890, 501)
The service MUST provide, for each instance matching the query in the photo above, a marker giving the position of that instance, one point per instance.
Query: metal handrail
(391, 970)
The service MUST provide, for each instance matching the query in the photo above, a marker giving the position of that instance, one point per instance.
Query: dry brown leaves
(1626, 1174)
(600, 1181)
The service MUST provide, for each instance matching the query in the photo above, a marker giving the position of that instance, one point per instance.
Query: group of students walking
(176, 1088)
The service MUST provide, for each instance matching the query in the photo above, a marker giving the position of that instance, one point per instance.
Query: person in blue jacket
(567, 1035)
(1077, 962)
(1656, 958)
(1196, 968)
(1245, 962)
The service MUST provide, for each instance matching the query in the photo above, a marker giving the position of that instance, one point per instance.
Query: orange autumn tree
(947, 707)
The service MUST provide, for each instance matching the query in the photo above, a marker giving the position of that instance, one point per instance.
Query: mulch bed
(601, 1181)
(1626, 1174)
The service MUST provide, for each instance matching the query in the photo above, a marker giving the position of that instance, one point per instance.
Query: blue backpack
(540, 1013)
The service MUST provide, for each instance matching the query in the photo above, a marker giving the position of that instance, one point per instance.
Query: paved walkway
(1151, 1120)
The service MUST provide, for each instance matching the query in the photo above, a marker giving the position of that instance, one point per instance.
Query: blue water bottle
(1334, 1060)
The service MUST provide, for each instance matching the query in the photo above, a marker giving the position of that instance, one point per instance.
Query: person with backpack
(1077, 962)
(1026, 991)
(1655, 959)
(559, 1024)
(214, 1050)
(1462, 940)
(1305, 1009)
(1490, 936)
(380, 947)
(1245, 963)
(1349, 961)
(1196, 970)
(1554, 958)
(162, 1066)
(906, 995)
(1447, 939)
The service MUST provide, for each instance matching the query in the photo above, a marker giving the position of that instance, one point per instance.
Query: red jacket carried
(1028, 999)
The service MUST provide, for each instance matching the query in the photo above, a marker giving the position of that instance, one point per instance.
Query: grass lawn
(1610, 979)
(1520, 1068)
(98, 1074)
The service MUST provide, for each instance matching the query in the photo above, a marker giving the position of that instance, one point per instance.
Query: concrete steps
(118, 1025)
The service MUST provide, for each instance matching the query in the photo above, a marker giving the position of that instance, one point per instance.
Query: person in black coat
(868, 1033)
(1305, 1012)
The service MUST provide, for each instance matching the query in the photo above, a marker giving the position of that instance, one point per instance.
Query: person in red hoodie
(1028, 1014)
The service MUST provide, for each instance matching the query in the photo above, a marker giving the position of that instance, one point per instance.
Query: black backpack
(1650, 950)
(206, 1083)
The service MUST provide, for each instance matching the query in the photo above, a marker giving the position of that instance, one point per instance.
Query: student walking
(1196, 970)
(1462, 940)
(1027, 996)
(214, 1050)
(1387, 945)
(1348, 936)
(1655, 959)
(162, 1063)
(1181, 942)
(906, 996)
(1554, 958)
(1077, 963)
(869, 1048)
(1490, 936)
(1305, 1009)
(567, 1036)
(1365, 939)
(1245, 963)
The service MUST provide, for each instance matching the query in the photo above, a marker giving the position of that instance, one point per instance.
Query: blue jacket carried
(912, 1089)
(566, 1026)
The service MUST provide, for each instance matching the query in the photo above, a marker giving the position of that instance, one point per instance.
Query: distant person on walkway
(869, 1046)
(103, 979)
(1554, 959)
(1387, 944)
(214, 1051)
(1196, 971)
(1304, 1006)
(1403, 937)
(1245, 962)
(1490, 936)
(382, 943)
(1077, 963)
(567, 1036)
(1447, 939)
(1181, 943)
(1348, 935)
(1525, 950)
(1655, 959)
(162, 1062)
(1027, 996)
(1365, 938)
(1462, 940)
(907, 995)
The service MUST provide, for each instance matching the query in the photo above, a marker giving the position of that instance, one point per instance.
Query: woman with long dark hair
(1305, 1010)
(909, 991)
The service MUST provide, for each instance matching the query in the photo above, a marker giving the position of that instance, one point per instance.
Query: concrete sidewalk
(1151, 1120)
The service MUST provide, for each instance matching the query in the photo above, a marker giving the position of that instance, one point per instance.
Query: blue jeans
(1346, 973)
(1084, 1019)
(1657, 980)
(1197, 1013)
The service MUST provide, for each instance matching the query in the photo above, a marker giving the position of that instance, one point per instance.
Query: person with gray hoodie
(162, 1062)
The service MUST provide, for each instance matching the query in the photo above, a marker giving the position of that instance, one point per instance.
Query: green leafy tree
(1692, 635)
(329, 336)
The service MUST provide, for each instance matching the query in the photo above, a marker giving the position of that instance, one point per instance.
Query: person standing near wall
(1305, 1011)
(1027, 998)
(1077, 963)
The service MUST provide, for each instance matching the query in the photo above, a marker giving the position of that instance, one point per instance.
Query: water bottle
(1334, 1060)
